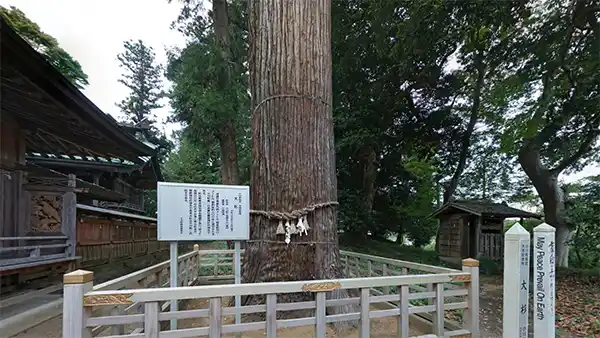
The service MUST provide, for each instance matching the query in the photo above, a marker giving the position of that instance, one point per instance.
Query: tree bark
(545, 183)
(229, 159)
(369, 158)
(466, 141)
(226, 133)
(292, 141)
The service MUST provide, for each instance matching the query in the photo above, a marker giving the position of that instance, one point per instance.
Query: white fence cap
(544, 227)
(516, 232)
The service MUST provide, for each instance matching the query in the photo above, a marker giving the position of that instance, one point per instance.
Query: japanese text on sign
(202, 212)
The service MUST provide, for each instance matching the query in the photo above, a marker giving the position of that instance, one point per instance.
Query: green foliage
(389, 94)
(142, 76)
(191, 163)
(197, 99)
(385, 248)
(528, 224)
(584, 214)
(45, 45)
(548, 97)
(405, 80)
(489, 267)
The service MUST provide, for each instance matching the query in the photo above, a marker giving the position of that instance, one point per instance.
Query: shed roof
(480, 208)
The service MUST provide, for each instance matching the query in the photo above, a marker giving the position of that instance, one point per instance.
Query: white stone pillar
(544, 281)
(516, 282)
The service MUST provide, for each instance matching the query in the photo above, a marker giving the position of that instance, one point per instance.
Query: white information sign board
(203, 212)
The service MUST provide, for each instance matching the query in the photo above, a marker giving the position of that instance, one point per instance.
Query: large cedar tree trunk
(292, 141)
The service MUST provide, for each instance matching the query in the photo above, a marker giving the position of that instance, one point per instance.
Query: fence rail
(88, 311)
(150, 278)
(26, 251)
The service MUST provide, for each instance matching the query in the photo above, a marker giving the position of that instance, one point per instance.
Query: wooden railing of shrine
(103, 238)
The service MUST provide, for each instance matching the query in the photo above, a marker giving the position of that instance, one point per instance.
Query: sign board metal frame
(207, 208)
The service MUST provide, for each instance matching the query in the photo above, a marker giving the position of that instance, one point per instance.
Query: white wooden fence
(434, 292)
(156, 276)
(518, 285)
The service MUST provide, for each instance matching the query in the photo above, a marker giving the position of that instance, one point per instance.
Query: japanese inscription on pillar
(524, 289)
(202, 212)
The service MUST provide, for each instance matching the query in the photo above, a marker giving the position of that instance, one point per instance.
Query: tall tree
(292, 141)
(226, 132)
(143, 77)
(390, 92)
(556, 86)
(45, 45)
(210, 93)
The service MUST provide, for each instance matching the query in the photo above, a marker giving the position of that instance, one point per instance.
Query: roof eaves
(456, 206)
(59, 82)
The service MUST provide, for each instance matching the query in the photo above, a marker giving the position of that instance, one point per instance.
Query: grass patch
(385, 248)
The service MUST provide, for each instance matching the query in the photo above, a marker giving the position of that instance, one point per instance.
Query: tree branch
(584, 147)
(466, 142)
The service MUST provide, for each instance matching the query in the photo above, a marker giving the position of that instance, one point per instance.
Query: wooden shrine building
(70, 177)
(474, 229)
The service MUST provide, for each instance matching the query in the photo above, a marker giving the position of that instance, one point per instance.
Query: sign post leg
(174, 268)
(238, 279)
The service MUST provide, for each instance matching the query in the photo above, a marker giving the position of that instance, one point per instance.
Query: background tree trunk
(552, 196)
(226, 133)
(450, 188)
(292, 141)
(369, 158)
(229, 160)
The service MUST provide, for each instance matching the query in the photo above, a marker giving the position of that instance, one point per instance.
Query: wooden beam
(69, 216)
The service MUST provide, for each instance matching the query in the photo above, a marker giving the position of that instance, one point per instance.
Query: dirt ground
(380, 328)
(578, 305)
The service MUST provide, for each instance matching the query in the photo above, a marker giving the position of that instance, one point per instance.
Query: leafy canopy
(46, 45)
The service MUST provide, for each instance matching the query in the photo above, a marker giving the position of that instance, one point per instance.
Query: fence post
(471, 313)
(271, 316)
(516, 277)
(544, 279)
(151, 324)
(438, 302)
(76, 284)
(196, 263)
(320, 314)
(215, 326)
(384, 272)
(365, 321)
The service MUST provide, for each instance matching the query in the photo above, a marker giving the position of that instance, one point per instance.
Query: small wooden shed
(474, 228)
